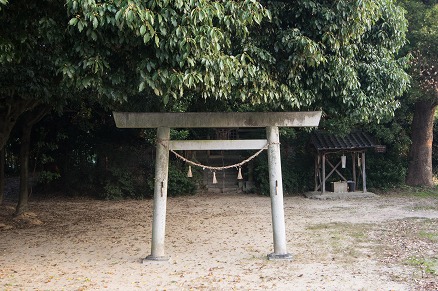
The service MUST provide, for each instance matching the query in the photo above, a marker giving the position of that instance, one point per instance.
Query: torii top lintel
(216, 119)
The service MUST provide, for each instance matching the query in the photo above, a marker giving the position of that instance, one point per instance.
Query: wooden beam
(364, 175)
(316, 172)
(216, 119)
(354, 157)
(323, 174)
(199, 145)
(335, 168)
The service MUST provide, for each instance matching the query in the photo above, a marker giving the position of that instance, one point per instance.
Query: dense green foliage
(84, 154)
(423, 94)
(179, 184)
(339, 56)
(423, 44)
(167, 48)
(386, 170)
(342, 57)
(296, 162)
(32, 41)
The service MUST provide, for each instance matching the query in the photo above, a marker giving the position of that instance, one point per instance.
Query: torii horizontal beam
(216, 119)
(211, 144)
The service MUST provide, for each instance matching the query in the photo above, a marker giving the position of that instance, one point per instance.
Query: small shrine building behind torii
(331, 150)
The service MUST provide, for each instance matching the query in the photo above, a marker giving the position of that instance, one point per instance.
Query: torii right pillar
(276, 192)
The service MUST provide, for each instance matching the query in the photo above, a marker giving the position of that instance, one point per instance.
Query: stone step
(224, 190)
(226, 179)
(226, 182)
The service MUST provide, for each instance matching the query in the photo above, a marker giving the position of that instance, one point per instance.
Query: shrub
(296, 163)
(178, 182)
(119, 185)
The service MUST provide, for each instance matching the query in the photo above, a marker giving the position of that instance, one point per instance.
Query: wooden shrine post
(364, 175)
(269, 120)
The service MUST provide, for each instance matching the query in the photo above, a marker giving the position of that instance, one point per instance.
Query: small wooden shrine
(339, 155)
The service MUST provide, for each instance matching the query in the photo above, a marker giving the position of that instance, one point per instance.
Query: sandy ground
(220, 242)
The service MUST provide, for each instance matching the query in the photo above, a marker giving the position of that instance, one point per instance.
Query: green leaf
(80, 26)
(73, 21)
(147, 38)
(95, 22)
(142, 29)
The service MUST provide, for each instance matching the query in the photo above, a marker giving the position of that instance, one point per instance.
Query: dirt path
(220, 242)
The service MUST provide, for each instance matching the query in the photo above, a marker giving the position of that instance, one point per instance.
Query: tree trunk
(28, 121)
(2, 175)
(10, 110)
(23, 194)
(420, 155)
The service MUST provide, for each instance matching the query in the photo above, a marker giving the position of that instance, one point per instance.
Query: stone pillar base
(284, 257)
(155, 258)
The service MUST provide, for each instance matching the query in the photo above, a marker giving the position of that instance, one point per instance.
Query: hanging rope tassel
(189, 173)
(214, 178)
(239, 174)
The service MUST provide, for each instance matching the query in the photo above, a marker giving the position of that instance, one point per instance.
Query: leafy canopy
(423, 44)
(339, 56)
(32, 40)
(168, 48)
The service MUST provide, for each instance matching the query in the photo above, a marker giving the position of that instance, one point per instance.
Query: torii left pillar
(160, 196)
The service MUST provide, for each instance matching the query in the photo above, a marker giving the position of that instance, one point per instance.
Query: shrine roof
(324, 141)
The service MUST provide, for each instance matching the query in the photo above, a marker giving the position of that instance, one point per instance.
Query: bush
(46, 177)
(385, 171)
(119, 185)
(296, 163)
(178, 182)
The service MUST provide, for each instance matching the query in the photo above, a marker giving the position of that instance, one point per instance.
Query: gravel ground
(220, 242)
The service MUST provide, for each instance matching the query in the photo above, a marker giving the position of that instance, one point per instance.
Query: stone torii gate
(269, 120)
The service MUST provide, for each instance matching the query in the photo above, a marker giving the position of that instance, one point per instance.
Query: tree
(2, 175)
(32, 40)
(423, 44)
(340, 56)
(172, 49)
(28, 120)
(337, 56)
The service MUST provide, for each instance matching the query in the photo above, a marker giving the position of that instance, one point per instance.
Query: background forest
(368, 65)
